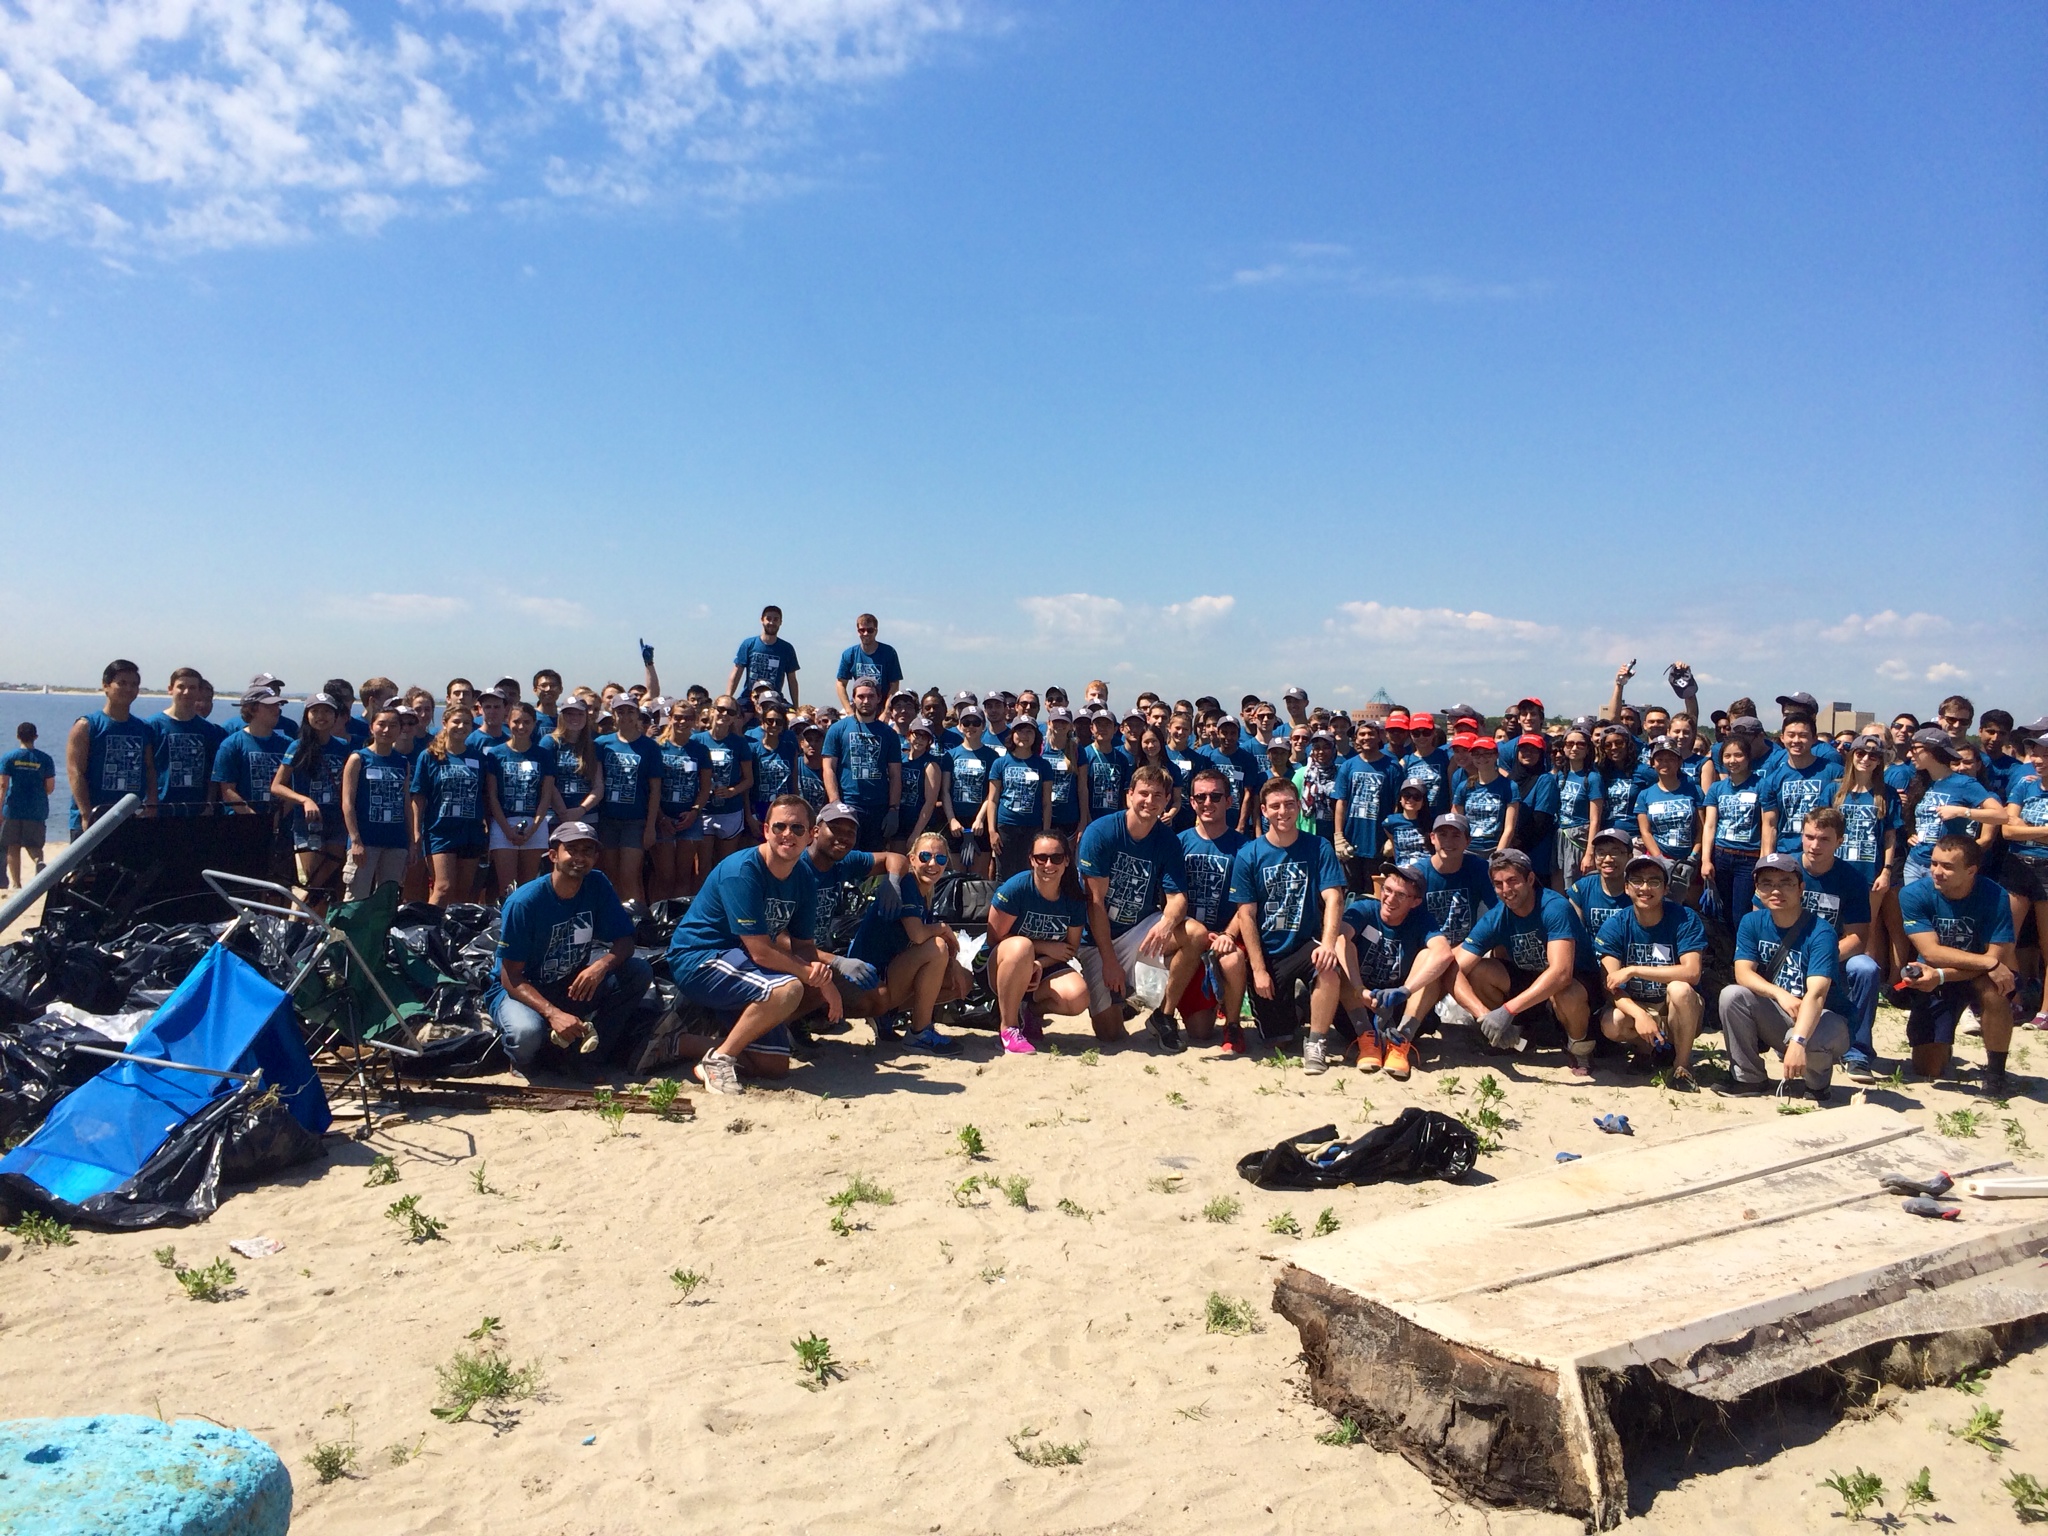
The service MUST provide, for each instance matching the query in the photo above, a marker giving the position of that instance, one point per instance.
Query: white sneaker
(719, 1073)
(1315, 1055)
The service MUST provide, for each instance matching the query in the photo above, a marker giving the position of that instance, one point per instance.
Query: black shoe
(1737, 1088)
(1823, 1096)
(1166, 1033)
(2001, 1085)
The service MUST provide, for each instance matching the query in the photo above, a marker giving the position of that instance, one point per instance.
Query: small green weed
(419, 1226)
(1450, 1085)
(484, 1329)
(1090, 1057)
(971, 1144)
(1017, 1190)
(399, 1454)
(2016, 1139)
(1074, 1208)
(40, 1231)
(814, 1359)
(839, 1226)
(216, 1282)
(1226, 1314)
(1223, 1208)
(1488, 1090)
(1034, 1452)
(1150, 1070)
(687, 1282)
(1327, 1222)
(1982, 1430)
(1177, 1099)
(609, 1109)
(1859, 1490)
(861, 1190)
(1960, 1123)
(333, 1460)
(167, 1257)
(382, 1171)
(965, 1191)
(1973, 1382)
(1794, 1107)
(479, 1183)
(1920, 1490)
(1285, 1225)
(663, 1095)
(482, 1378)
(2029, 1497)
(1197, 1413)
(1166, 1184)
(991, 1273)
(1347, 1432)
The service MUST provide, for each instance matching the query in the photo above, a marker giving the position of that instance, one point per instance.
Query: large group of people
(1248, 877)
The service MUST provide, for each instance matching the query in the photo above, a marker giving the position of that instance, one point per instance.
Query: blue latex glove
(858, 974)
(891, 820)
(646, 654)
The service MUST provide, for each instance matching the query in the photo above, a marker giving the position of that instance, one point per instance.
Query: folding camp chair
(337, 1032)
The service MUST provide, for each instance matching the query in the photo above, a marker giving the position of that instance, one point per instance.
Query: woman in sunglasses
(1034, 932)
(916, 955)
(679, 840)
(1870, 828)
(1019, 798)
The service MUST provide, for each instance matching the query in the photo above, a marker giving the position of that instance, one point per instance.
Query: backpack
(1417, 1141)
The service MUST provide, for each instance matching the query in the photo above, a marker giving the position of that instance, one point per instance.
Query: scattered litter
(590, 1439)
(1613, 1125)
(2023, 1187)
(1567, 1157)
(1906, 1184)
(1920, 1205)
(256, 1247)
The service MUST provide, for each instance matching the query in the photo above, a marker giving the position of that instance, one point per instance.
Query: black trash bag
(452, 1002)
(473, 1053)
(276, 947)
(238, 1137)
(1417, 1141)
(153, 956)
(655, 929)
(52, 964)
(464, 920)
(958, 900)
(38, 1067)
(26, 985)
(478, 961)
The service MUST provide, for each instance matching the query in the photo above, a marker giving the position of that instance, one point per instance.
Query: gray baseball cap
(572, 832)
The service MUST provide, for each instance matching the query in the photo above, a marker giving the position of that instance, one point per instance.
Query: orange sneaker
(1398, 1064)
(1370, 1053)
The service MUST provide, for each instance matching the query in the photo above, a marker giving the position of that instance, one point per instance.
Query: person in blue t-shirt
(748, 946)
(678, 858)
(1581, 805)
(186, 742)
(1941, 800)
(1135, 873)
(728, 818)
(1035, 926)
(1485, 795)
(2026, 845)
(864, 767)
(627, 822)
(1428, 763)
(1960, 927)
(1367, 785)
(1407, 828)
(765, 658)
(1623, 775)
(566, 972)
(914, 954)
(307, 785)
(775, 755)
(448, 807)
(1109, 769)
(1208, 849)
(110, 754)
(967, 769)
(1797, 784)
(870, 658)
(1517, 968)
(1458, 886)
(29, 774)
(246, 762)
(520, 798)
(1732, 830)
(924, 782)
(1785, 974)
(1019, 801)
(1066, 781)
(1652, 953)
(1244, 768)
(1598, 896)
(1386, 942)
(1870, 813)
(1289, 891)
(1668, 818)
(373, 809)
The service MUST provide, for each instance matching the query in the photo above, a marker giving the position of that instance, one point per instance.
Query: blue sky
(1460, 351)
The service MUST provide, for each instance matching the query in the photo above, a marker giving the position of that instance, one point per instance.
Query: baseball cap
(1665, 744)
(1296, 692)
(1451, 819)
(321, 698)
(1613, 835)
(625, 701)
(1316, 736)
(269, 680)
(1749, 725)
(1026, 723)
(1784, 863)
(1471, 741)
(994, 696)
(1532, 739)
(1935, 740)
(1799, 701)
(1229, 720)
(1526, 703)
(772, 696)
(1420, 790)
(837, 810)
(806, 727)
(1059, 712)
(257, 695)
(572, 832)
(1513, 856)
(1280, 745)
(922, 724)
(968, 712)
(2038, 728)
(1655, 861)
(965, 696)
(1397, 721)
(1466, 712)
(903, 693)
(1422, 722)
(569, 701)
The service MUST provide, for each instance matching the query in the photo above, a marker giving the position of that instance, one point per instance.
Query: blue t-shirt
(1286, 886)
(1956, 789)
(742, 899)
(1677, 934)
(185, 751)
(630, 771)
(380, 799)
(863, 752)
(1385, 952)
(1577, 793)
(729, 759)
(1185, 761)
(521, 777)
(1433, 772)
(479, 742)
(1140, 871)
(838, 888)
(1788, 956)
(553, 938)
(1840, 898)
(1738, 814)
(1064, 784)
(1366, 786)
(968, 768)
(1109, 775)
(1018, 783)
(1591, 900)
(1456, 900)
(451, 790)
(320, 782)
(28, 771)
(117, 759)
(1538, 794)
(765, 661)
(2031, 801)
(1207, 867)
(810, 783)
(1792, 792)
(247, 764)
(881, 939)
(1674, 816)
(1867, 836)
(569, 779)
(1410, 838)
(1244, 768)
(1981, 919)
(1620, 791)
(774, 769)
(1037, 916)
(913, 785)
(1527, 939)
(685, 772)
(855, 663)
(1486, 807)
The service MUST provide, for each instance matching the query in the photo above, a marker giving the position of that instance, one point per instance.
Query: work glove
(646, 654)
(857, 974)
(888, 897)
(1501, 1030)
(891, 820)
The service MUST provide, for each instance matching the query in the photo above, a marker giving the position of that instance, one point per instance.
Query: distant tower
(1378, 707)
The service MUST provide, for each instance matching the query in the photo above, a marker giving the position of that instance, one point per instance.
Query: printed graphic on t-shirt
(1529, 950)
(1284, 897)
(187, 760)
(1042, 925)
(1130, 889)
(568, 945)
(121, 765)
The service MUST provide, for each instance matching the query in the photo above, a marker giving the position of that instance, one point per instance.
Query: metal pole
(61, 865)
(159, 1061)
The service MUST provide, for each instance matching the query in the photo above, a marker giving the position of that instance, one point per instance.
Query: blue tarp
(225, 1014)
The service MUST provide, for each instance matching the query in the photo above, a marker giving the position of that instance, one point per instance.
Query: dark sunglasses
(788, 828)
(931, 858)
(1048, 858)
(1205, 799)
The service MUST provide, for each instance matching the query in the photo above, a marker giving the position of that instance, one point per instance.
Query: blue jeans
(524, 1031)
(1861, 981)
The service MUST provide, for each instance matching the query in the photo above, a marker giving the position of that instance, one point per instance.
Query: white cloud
(554, 612)
(197, 123)
(1894, 670)
(406, 607)
(1084, 619)
(1910, 626)
(1318, 264)
(1417, 626)
(1200, 611)
(1944, 672)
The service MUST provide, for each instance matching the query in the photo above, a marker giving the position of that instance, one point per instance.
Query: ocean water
(52, 714)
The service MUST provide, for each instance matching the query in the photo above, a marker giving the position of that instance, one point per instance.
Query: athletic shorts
(1571, 848)
(621, 832)
(723, 825)
(463, 845)
(1100, 998)
(1932, 1017)
(1277, 1016)
(1539, 1022)
(1359, 873)
(730, 981)
(2024, 877)
(536, 838)
(20, 832)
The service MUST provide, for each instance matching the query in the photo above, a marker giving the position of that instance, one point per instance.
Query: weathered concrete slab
(122, 1473)
(1491, 1336)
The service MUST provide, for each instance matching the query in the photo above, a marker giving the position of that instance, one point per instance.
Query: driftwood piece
(1515, 1341)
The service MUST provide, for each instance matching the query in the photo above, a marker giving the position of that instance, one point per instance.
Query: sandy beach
(961, 1320)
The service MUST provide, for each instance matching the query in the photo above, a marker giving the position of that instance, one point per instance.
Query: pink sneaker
(1015, 1043)
(1031, 1022)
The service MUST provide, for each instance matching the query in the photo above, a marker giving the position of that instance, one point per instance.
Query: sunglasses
(722, 710)
(1048, 858)
(1205, 799)
(789, 828)
(931, 858)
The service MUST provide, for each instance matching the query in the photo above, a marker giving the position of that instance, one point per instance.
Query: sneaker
(1232, 1043)
(1016, 1042)
(888, 1027)
(1371, 1054)
(929, 1039)
(1031, 1023)
(1681, 1080)
(1859, 1069)
(719, 1073)
(1823, 1096)
(2038, 1021)
(1998, 1085)
(1166, 1032)
(1315, 1055)
(660, 1049)
(1742, 1088)
(1398, 1063)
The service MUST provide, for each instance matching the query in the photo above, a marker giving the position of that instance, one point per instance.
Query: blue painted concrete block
(125, 1475)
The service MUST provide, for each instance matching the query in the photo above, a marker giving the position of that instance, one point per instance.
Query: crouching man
(1652, 951)
(1787, 964)
(567, 974)
(1516, 968)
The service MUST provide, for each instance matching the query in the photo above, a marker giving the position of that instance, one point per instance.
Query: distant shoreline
(45, 688)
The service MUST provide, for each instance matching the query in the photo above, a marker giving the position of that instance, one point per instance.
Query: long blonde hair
(439, 745)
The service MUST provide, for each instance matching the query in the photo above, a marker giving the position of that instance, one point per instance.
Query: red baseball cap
(1422, 722)
(1530, 739)
(1470, 741)
(1398, 721)
(1537, 702)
